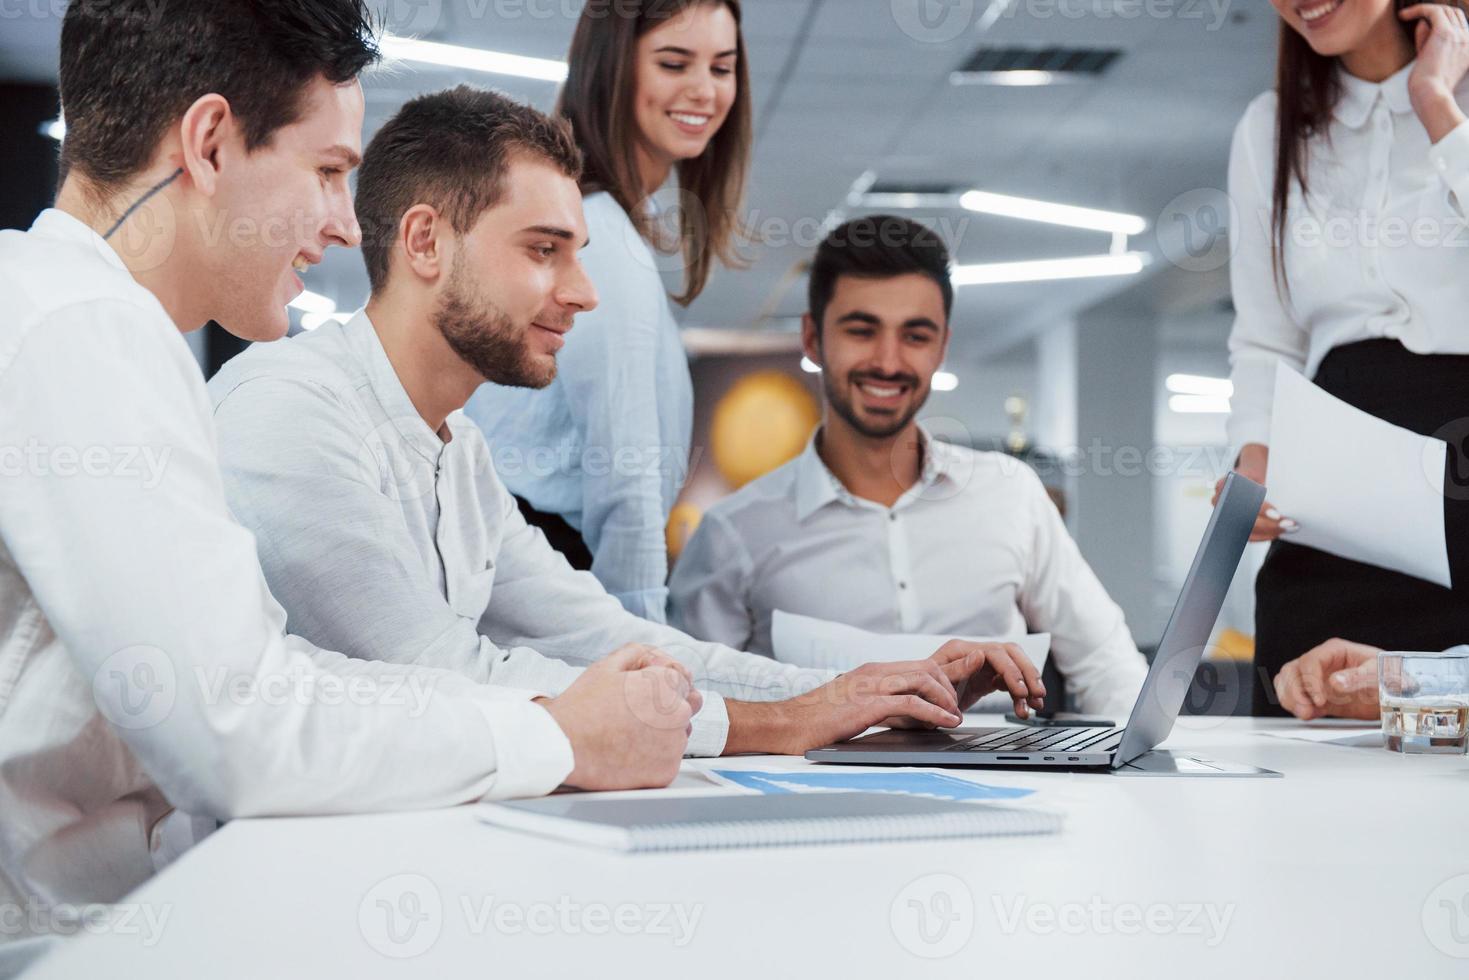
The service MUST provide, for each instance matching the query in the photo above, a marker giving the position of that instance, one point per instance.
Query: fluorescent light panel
(1029, 209)
(1080, 267)
(1018, 77)
(473, 59)
(1005, 205)
(1198, 404)
(1198, 384)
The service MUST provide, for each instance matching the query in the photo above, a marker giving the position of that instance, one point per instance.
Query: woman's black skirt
(1304, 597)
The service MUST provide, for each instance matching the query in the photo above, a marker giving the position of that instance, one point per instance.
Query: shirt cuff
(710, 728)
(532, 754)
(1450, 158)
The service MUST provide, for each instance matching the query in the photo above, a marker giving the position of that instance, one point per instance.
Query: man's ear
(811, 338)
(205, 134)
(420, 242)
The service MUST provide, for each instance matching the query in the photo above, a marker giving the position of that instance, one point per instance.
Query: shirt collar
(392, 397)
(1358, 97)
(56, 224)
(817, 486)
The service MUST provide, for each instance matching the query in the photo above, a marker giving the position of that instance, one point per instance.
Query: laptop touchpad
(916, 739)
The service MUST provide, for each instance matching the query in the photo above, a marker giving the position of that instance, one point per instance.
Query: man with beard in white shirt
(881, 526)
(381, 522)
(147, 687)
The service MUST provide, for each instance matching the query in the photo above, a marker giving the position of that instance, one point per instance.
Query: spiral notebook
(687, 823)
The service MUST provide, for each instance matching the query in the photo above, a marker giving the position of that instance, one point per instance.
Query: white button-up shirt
(606, 445)
(1379, 249)
(380, 537)
(143, 663)
(974, 548)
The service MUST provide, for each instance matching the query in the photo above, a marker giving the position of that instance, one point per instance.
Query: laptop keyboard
(1040, 740)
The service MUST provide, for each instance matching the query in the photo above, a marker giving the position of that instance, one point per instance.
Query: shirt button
(902, 585)
(893, 518)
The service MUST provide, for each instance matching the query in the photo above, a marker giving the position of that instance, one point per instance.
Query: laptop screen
(1187, 634)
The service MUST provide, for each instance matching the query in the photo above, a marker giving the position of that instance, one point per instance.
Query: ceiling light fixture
(1080, 267)
(1029, 209)
(1198, 384)
(1018, 77)
(1198, 404)
(473, 59)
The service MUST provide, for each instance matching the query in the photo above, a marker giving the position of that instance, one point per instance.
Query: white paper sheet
(809, 642)
(1359, 487)
(1360, 738)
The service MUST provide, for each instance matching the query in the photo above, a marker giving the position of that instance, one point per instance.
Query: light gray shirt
(606, 445)
(378, 534)
(974, 548)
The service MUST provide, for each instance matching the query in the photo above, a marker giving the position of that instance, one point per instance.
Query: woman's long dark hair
(598, 100)
(1307, 87)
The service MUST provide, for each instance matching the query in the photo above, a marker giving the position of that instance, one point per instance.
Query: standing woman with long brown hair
(1351, 181)
(597, 458)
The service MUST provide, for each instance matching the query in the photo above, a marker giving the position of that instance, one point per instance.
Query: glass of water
(1425, 701)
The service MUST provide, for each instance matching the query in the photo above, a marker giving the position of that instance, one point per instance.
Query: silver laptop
(1167, 683)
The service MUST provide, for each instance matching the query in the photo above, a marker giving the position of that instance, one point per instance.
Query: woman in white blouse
(1352, 266)
(598, 458)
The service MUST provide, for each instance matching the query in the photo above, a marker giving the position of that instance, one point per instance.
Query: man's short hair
(131, 68)
(451, 150)
(879, 246)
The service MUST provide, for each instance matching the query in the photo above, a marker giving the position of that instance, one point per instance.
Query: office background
(1126, 106)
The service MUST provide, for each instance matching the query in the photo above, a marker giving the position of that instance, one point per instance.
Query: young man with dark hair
(147, 688)
(380, 518)
(881, 526)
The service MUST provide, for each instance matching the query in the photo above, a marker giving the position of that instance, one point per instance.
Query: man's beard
(485, 338)
(838, 398)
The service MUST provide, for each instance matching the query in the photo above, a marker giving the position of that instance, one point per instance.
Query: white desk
(1337, 870)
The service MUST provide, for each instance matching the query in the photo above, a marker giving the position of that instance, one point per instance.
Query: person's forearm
(1439, 112)
(763, 728)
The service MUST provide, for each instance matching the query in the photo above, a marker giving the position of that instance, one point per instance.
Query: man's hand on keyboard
(976, 669)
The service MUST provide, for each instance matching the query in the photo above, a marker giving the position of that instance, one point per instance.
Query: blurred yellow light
(763, 421)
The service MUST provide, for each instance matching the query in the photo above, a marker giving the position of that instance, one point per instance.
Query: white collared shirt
(394, 545)
(974, 548)
(143, 663)
(1380, 249)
